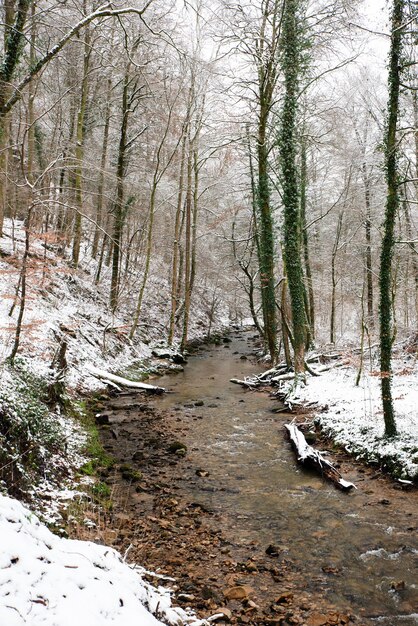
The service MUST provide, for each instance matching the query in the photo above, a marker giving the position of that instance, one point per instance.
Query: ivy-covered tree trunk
(392, 203)
(266, 238)
(266, 55)
(287, 144)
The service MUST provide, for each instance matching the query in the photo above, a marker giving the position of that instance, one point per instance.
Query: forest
(209, 281)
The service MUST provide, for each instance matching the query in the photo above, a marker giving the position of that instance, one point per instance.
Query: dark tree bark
(22, 280)
(100, 188)
(118, 217)
(392, 204)
(176, 242)
(188, 247)
(334, 277)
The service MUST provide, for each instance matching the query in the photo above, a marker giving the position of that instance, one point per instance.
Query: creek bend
(356, 550)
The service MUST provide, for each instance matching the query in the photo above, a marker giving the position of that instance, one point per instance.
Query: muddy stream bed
(208, 518)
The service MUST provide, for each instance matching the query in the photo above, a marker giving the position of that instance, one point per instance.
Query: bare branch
(102, 12)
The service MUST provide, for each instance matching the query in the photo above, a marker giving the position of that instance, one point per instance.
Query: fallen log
(309, 456)
(274, 371)
(251, 384)
(108, 378)
(283, 377)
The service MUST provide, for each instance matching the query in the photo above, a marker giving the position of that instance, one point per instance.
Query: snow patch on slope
(63, 303)
(49, 581)
(353, 416)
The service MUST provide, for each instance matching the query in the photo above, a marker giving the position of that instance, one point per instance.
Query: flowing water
(358, 550)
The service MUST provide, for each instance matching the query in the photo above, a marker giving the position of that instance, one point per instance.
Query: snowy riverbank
(46, 579)
(50, 581)
(352, 415)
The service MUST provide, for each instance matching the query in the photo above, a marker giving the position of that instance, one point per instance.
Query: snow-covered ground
(61, 304)
(65, 304)
(49, 581)
(352, 415)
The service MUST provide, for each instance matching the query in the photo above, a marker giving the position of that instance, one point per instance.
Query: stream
(358, 549)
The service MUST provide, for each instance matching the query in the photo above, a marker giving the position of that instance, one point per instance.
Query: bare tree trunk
(23, 277)
(188, 245)
(194, 216)
(414, 257)
(413, 251)
(105, 243)
(100, 188)
(369, 268)
(4, 169)
(176, 243)
(256, 238)
(79, 149)
(65, 215)
(118, 217)
(158, 173)
(334, 278)
(310, 308)
(31, 98)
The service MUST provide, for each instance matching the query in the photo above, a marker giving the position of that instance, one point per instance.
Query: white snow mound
(50, 581)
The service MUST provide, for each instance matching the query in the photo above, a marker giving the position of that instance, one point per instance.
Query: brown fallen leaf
(225, 612)
(239, 592)
(284, 598)
(317, 619)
